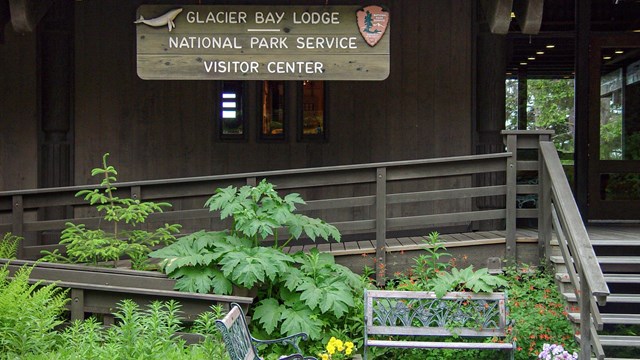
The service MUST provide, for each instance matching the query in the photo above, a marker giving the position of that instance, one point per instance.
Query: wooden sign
(226, 42)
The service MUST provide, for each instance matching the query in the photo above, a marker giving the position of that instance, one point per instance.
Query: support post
(511, 181)
(544, 210)
(77, 304)
(17, 219)
(581, 168)
(585, 317)
(381, 224)
(522, 101)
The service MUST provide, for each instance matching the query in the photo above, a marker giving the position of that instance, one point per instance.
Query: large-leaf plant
(297, 292)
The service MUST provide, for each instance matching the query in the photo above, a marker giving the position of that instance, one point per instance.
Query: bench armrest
(288, 340)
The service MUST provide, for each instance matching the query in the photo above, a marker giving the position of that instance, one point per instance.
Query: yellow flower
(349, 345)
(348, 351)
(324, 357)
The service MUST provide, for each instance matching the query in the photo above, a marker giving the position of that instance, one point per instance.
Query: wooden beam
(5, 16)
(498, 14)
(25, 14)
(529, 15)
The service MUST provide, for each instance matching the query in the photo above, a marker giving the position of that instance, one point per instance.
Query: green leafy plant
(96, 245)
(259, 212)
(466, 279)
(29, 313)
(538, 312)
(138, 333)
(297, 292)
(9, 246)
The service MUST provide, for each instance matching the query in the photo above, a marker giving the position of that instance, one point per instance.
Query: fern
(9, 246)
(29, 313)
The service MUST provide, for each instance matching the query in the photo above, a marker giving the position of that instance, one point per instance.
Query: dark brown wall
(18, 111)
(165, 129)
(161, 129)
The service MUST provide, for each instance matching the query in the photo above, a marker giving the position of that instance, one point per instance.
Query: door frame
(598, 208)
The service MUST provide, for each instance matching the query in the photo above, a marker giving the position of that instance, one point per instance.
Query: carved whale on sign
(162, 20)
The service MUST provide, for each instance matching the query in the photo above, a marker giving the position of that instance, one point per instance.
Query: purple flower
(556, 352)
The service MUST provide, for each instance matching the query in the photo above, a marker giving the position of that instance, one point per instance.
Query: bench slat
(439, 345)
(432, 331)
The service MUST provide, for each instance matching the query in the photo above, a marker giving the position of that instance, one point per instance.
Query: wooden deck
(413, 243)
(475, 248)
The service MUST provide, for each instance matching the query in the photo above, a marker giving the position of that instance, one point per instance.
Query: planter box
(98, 290)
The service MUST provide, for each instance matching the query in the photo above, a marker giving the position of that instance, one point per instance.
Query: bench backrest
(236, 336)
(421, 313)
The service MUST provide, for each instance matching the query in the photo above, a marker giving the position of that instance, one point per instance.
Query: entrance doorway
(614, 128)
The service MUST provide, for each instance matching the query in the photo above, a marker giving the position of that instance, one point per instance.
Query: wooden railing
(365, 200)
(373, 200)
(559, 213)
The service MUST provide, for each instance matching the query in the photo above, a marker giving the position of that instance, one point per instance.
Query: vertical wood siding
(162, 129)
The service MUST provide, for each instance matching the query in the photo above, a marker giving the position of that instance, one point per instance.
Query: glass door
(614, 128)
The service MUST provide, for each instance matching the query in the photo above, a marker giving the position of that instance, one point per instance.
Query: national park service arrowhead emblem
(372, 23)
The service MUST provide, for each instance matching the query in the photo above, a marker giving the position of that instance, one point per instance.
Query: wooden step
(622, 319)
(619, 340)
(615, 242)
(619, 260)
(613, 298)
(622, 278)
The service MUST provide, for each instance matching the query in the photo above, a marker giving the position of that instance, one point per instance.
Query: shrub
(9, 246)
(96, 245)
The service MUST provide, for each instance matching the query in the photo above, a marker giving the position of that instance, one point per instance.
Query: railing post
(511, 211)
(135, 192)
(381, 224)
(544, 209)
(585, 317)
(252, 181)
(17, 219)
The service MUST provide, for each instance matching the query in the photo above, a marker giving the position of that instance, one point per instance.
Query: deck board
(615, 234)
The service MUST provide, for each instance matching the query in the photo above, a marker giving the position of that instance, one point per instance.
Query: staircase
(618, 253)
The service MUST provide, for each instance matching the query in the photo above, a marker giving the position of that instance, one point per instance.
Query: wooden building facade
(69, 92)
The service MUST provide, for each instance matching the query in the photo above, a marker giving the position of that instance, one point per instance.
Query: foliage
(550, 105)
(139, 334)
(29, 313)
(259, 212)
(466, 280)
(537, 311)
(429, 273)
(85, 245)
(313, 297)
(298, 292)
(9, 246)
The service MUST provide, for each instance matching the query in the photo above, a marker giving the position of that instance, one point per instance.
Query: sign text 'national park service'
(226, 42)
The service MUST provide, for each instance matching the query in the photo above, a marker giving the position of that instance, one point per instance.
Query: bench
(393, 316)
(241, 345)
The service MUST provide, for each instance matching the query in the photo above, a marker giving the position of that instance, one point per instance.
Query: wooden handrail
(586, 274)
(568, 209)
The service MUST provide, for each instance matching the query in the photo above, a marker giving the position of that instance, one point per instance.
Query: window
(312, 113)
(231, 119)
(273, 125)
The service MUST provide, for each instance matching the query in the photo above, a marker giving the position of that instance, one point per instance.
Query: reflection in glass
(313, 120)
(620, 186)
(273, 120)
(620, 106)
